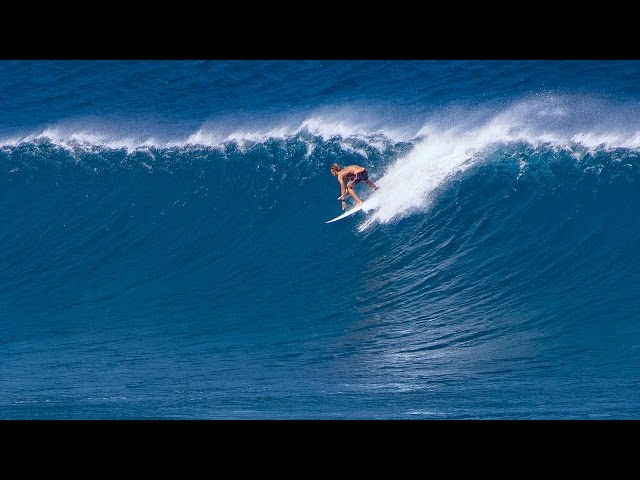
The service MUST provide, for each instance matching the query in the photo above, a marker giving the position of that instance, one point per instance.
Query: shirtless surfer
(354, 175)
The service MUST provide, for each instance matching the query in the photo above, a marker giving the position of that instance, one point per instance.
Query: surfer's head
(335, 168)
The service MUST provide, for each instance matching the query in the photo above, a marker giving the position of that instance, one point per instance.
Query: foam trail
(407, 185)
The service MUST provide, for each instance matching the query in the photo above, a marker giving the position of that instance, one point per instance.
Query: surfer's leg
(371, 184)
(352, 192)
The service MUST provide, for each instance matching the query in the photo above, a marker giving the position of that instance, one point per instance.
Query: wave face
(165, 252)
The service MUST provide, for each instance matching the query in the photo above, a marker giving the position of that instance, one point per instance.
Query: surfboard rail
(346, 214)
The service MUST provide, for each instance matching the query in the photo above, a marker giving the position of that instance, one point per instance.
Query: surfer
(354, 175)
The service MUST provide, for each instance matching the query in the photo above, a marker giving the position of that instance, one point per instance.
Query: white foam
(448, 148)
(444, 142)
(407, 185)
(327, 127)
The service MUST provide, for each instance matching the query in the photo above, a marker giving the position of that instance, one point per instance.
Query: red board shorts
(357, 178)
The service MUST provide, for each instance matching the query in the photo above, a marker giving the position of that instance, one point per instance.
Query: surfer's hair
(335, 166)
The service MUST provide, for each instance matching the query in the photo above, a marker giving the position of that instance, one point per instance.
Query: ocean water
(164, 252)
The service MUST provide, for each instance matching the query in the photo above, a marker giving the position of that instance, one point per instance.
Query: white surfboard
(348, 213)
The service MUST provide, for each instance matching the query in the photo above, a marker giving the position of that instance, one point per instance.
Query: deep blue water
(164, 252)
